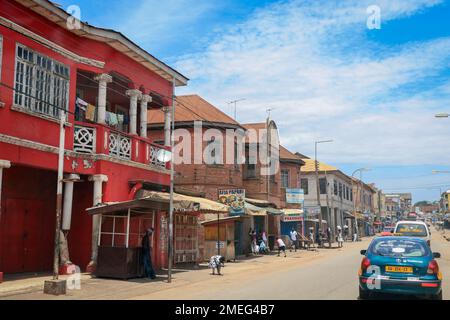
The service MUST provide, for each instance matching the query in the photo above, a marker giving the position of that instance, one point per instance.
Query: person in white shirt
(281, 246)
(294, 238)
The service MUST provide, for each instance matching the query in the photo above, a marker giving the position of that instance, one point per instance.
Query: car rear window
(399, 248)
(411, 230)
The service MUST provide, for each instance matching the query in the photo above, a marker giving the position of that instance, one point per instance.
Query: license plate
(399, 269)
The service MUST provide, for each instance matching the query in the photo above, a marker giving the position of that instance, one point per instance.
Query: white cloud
(312, 61)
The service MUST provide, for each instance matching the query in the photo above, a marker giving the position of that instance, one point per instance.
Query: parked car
(413, 229)
(400, 265)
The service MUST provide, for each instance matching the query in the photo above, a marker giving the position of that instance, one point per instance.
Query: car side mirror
(436, 255)
(363, 252)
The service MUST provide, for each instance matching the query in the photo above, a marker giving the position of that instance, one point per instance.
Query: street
(329, 274)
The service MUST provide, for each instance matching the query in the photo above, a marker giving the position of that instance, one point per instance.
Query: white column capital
(99, 178)
(5, 164)
(104, 77)
(72, 177)
(132, 93)
(146, 98)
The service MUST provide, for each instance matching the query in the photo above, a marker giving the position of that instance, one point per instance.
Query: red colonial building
(107, 84)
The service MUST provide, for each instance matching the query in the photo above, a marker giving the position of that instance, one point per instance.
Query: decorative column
(134, 95)
(144, 104)
(68, 198)
(103, 80)
(98, 180)
(167, 125)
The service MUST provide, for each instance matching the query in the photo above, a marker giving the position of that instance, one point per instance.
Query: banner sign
(312, 211)
(292, 217)
(235, 198)
(295, 196)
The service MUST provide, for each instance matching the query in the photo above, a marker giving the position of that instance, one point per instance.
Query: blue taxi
(400, 265)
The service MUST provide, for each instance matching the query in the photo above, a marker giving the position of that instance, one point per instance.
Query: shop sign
(292, 217)
(235, 198)
(296, 196)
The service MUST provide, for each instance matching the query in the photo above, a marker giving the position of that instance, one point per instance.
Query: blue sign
(296, 196)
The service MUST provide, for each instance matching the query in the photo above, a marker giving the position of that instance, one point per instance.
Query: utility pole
(172, 174)
(317, 179)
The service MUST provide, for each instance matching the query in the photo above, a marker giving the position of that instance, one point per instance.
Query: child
(216, 262)
(281, 246)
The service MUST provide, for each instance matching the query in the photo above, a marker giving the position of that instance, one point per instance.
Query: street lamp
(360, 170)
(442, 115)
(316, 164)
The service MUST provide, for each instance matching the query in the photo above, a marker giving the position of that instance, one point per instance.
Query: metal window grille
(41, 83)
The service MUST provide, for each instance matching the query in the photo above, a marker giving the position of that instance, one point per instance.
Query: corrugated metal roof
(310, 166)
(191, 108)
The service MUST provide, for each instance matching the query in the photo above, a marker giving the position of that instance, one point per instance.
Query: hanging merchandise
(120, 119)
(108, 118)
(81, 102)
(113, 119)
(90, 112)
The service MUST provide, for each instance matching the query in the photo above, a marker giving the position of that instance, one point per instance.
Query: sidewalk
(99, 288)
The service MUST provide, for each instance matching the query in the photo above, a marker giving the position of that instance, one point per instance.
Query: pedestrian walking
(253, 244)
(345, 232)
(329, 236)
(147, 255)
(281, 246)
(311, 238)
(340, 239)
(294, 238)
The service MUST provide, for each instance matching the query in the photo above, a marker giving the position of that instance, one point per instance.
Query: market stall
(122, 227)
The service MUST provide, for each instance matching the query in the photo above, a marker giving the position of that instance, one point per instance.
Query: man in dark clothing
(147, 255)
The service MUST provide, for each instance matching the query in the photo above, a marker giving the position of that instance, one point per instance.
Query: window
(340, 190)
(41, 83)
(346, 191)
(335, 188)
(351, 196)
(250, 168)
(323, 185)
(304, 185)
(285, 178)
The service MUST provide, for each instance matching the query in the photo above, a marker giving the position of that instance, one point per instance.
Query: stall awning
(258, 202)
(292, 211)
(292, 215)
(348, 215)
(220, 220)
(146, 199)
(253, 210)
(316, 220)
(203, 205)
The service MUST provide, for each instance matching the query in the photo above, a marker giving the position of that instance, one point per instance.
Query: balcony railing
(153, 156)
(97, 139)
(119, 146)
(84, 139)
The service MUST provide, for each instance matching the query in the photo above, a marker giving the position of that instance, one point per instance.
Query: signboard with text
(296, 196)
(235, 198)
(312, 211)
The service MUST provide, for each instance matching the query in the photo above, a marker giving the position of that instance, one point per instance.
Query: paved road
(324, 275)
(331, 277)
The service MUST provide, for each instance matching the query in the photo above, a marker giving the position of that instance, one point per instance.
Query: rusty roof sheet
(191, 108)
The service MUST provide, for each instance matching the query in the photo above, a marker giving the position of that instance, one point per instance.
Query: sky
(319, 68)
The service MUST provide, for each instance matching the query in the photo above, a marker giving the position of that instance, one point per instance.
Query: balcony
(97, 139)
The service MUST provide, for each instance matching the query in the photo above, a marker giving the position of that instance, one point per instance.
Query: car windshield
(399, 248)
(412, 230)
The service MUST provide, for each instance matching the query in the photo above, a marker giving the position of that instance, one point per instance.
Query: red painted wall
(27, 220)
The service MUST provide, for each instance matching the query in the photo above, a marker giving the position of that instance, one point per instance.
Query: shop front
(122, 227)
(292, 219)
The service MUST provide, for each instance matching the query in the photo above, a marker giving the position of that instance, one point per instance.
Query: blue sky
(325, 74)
